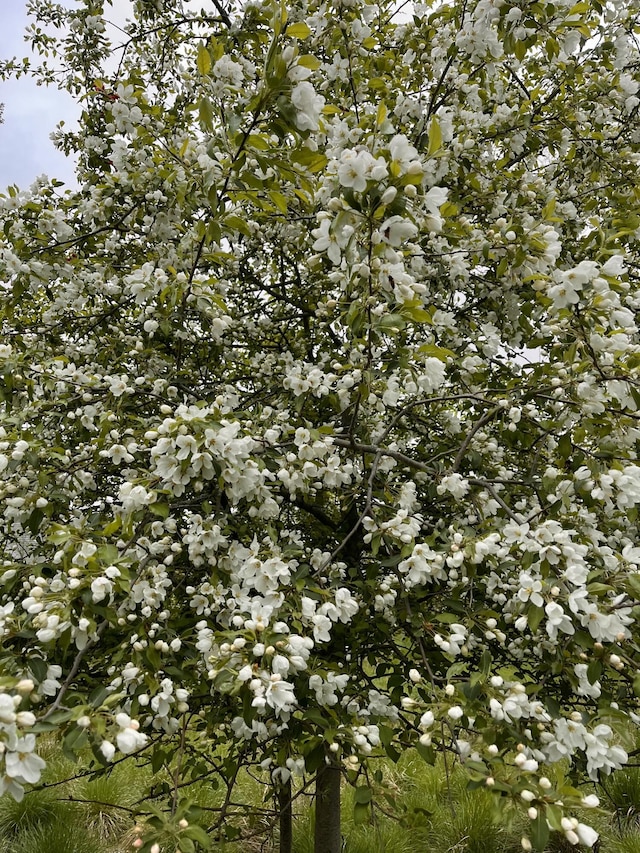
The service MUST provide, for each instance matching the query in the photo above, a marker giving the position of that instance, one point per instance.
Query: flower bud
(388, 195)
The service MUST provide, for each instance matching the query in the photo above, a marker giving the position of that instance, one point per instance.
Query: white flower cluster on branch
(319, 397)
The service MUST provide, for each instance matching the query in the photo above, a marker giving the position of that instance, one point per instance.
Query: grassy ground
(439, 815)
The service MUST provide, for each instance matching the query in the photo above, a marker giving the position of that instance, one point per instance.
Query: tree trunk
(327, 833)
(286, 817)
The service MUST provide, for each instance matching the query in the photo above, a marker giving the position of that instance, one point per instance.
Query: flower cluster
(318, 400)
(20, 764)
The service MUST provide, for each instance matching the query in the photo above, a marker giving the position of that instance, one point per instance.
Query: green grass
(622, 794)
(628, 843)
(417, 809)
(34, 811)
(61, 837)
(46, 822)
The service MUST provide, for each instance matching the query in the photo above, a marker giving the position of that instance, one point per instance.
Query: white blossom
(309, 105)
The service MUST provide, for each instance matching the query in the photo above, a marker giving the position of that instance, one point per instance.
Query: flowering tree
(320, 401)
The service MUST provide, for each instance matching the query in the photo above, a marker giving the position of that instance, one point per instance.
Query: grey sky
(31, 112)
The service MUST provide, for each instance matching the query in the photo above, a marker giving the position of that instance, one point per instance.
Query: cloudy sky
(31, 113)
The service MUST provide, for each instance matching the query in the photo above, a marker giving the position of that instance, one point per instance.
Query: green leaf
(416, 314)
(392, 323)
(435, 136)
(442, 353)
(315, 715)
(549, 208)
(198, 834)
(564, 446)
(112, 526)
(279, 200)
(599, 589)
(256, 140)
(534, 617)
(447, 618)
(311, 160)
(393, 753)
(158, 759)
(34, 520)
(315, 758)
(449, 209)
(74, 741)
(539, 832)
(98, 696)
(299, 30)
(108, 553)
(159, 509)
(594, 671)
(363, 794)
(61, 716)
(554, 817)
(204, 60)
(205, 113)
(235, 223)
(633, 584)
(427, 753)
(361, 813)
(386, 735)
(485, 662)
(308, 61)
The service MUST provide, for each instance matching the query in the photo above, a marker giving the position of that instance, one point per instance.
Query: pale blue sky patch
(31, 112)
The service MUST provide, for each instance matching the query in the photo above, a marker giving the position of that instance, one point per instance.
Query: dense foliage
(321, 396)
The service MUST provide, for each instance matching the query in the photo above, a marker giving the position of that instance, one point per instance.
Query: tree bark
(286, 817)
(327, 837)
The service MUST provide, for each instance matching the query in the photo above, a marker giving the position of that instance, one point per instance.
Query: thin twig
(75, 666)
(178, 770)
(485, 484)
(469, 437)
